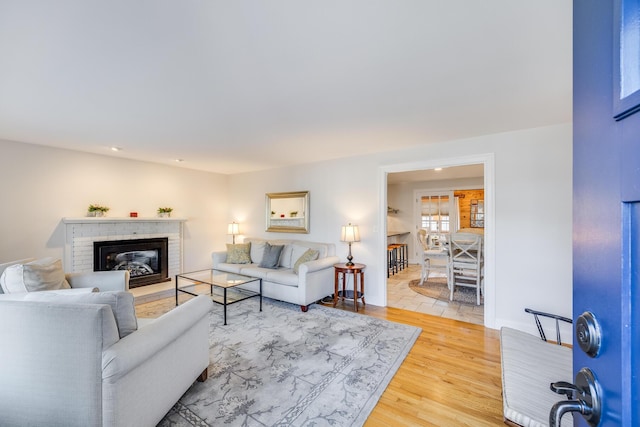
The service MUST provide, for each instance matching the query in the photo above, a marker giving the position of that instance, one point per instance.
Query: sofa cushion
(122, 305)
(308, 255)
(257, 251)
(290, 254)
(283, 276)
(239, 253)
(271, 255)
(44, 274)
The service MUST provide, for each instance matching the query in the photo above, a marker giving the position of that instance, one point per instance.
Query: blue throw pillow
(271, 255)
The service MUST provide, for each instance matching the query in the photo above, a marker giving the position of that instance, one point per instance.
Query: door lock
(585, 397)
(589, 334)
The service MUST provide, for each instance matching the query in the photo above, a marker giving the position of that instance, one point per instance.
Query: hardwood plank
(451, 376)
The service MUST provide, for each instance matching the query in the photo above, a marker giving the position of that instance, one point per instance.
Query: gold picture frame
(287, 212)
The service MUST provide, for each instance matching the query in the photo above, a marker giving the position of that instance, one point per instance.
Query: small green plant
(98, 208)
(165, 210)
(293, 213)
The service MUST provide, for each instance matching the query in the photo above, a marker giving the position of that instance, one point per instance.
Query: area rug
(282, 367)
(436, 287)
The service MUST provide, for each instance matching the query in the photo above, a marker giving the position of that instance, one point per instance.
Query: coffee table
(224, 288)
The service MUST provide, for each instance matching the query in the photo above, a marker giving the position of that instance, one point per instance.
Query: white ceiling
(235, 86)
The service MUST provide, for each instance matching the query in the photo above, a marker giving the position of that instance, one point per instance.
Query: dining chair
(466, 264)
(429, 253)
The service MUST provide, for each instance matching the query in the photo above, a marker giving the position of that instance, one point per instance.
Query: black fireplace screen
(146, 259)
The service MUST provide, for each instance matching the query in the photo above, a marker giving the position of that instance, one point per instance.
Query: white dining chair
(438, 254)
(466, 264)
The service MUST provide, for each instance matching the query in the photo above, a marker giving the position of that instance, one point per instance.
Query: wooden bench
(529, 365)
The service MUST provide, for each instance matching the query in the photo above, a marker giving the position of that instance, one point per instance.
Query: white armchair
(103, 280)
(65, 365)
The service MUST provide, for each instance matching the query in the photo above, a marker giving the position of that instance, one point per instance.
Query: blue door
(606, 229)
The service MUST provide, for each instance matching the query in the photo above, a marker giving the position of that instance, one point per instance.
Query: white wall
(533, 193)
(41, 185)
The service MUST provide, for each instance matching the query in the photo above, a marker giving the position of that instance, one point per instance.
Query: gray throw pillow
(271, 255)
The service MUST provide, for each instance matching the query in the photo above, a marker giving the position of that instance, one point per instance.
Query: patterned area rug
(282, 367)
(436, 287)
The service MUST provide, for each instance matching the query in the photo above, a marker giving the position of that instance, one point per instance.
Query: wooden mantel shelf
(94, 219)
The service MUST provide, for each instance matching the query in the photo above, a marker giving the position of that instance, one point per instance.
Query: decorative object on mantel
(97, 210)
(233, 229)
(293, 214)
(164, 212)
(133, 214)
(391, 210)
(350, 233)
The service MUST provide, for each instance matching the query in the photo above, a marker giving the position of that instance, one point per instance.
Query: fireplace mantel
(81, 232)
(93, 220)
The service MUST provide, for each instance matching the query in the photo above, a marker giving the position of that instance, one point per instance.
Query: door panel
(606, 219)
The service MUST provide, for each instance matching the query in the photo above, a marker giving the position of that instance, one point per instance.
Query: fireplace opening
(146, 259)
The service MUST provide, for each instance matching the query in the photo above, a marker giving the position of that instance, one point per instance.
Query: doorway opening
(410, 189)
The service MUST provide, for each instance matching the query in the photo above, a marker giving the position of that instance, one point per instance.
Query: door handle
(585, 397)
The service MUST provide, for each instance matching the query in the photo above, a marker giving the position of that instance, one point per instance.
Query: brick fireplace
(82, 233)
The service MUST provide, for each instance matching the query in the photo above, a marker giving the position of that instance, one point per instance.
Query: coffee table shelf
(223, 287)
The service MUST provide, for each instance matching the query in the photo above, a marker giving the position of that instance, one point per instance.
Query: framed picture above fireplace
(287, 212)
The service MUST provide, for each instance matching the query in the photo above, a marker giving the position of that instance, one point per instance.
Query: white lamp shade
(233, 228)
(350, 233)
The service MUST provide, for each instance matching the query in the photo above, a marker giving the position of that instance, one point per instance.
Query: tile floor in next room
(399, 295)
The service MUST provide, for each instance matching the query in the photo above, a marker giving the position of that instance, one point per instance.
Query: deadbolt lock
(589, 334)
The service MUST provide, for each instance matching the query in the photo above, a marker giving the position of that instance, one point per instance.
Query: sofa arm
(218, 257)
(117, 280)
(318, 264)
(139, 346)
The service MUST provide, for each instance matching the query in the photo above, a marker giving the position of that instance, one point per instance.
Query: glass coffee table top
(224, 288)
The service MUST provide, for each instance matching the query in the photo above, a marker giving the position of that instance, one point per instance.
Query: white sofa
(314, 280)
(63, 364)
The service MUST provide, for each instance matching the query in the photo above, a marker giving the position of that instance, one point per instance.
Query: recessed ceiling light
(116, 149)
(437, 169)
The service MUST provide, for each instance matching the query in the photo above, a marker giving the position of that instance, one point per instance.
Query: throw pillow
(44, 274)
(121, 302)
(239, 253)
(271, 255)
(309, 255)
(257, 251)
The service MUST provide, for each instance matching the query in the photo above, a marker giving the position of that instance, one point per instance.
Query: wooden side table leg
(362, 286)
(335, 290)
(355, 291)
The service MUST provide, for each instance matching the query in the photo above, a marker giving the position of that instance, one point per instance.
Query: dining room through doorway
(427, 199)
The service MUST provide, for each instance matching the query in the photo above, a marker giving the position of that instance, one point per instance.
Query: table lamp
(350, 234)
(233, 229)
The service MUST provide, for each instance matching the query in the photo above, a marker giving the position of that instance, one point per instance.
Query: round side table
(341, 270)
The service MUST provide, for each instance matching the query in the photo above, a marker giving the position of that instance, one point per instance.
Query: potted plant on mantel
(97, 210)
(164, 212)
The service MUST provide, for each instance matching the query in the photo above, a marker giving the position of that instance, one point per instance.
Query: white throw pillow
(257, 251)
(121, 302)
(44, 274)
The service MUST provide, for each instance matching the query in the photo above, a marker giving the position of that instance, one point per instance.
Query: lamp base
(349, 263)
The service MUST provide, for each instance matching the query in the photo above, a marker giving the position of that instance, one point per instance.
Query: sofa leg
(304, 308)
(204, 375)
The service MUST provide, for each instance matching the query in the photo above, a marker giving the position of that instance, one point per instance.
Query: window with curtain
(435, 213)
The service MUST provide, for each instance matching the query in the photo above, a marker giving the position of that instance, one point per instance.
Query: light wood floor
(451, 376)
